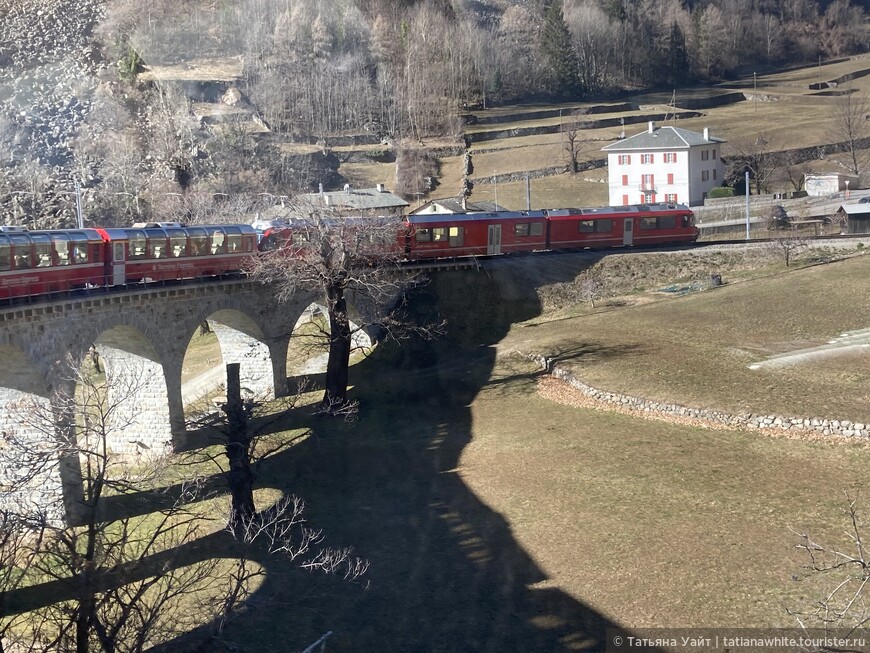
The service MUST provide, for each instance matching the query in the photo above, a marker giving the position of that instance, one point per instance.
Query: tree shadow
(447, 573)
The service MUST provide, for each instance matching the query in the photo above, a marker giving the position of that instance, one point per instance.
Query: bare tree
(336, 256)
(117, 583)
(785, 244)
(850, 128)
(756, 156)
(845, 569)
(573, 140)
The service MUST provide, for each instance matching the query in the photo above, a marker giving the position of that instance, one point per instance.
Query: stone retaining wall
(838, 427)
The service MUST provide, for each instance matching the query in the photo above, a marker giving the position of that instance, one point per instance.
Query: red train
(444, 235)
(36, 263)
(43, 262)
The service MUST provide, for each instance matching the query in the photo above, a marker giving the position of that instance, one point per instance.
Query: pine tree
(678, 69)
(558, 50)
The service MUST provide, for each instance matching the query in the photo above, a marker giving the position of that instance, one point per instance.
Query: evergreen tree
(678, 67)
(558, 50)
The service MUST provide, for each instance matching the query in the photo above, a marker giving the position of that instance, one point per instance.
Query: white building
(819, 185)
(668, 164)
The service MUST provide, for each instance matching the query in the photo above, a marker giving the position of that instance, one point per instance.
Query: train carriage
(619, 226)
(44, 262)
(475, 234)
(174, 253)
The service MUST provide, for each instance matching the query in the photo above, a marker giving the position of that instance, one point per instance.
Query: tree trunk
(335, 396)
(241, 476)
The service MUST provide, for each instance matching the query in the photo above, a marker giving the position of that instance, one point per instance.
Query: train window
(157, 247)
(667, 222)
(536, 229)
(457, 236)
(521, 229)
(42, 247)
(80, 247)
(218, 242)
(5, 260)
(177, 244)
(439, 234)
(61, 248)
(136, 245)
(594, 226)
(234, 243)
(424, 235)
(299, 238)
(21, 246)
(199, 245)
(647, 223)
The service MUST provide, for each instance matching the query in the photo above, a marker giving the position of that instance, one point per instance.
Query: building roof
(357, 198)
(669, 138)
(457, 205)
(854, 209)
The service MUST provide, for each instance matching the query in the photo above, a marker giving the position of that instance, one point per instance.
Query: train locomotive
(37, 263)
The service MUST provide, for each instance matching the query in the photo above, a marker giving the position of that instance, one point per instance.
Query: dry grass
(696, 349)
(652, 523)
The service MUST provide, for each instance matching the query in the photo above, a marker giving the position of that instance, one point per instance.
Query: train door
(493, 242)
(627, 232)
(119, 273)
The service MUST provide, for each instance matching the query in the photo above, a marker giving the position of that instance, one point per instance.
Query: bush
(721, 191)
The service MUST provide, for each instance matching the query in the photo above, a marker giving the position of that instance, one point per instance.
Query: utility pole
(747, 204)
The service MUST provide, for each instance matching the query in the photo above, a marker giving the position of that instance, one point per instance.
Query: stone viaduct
(141, 337)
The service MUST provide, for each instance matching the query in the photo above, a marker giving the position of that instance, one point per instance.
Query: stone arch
(242, 341)
(137, 391)
(26, 401)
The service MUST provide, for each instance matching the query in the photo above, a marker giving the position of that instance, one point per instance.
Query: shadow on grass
(446, 572)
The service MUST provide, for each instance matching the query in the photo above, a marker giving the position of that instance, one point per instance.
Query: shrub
(721, 191)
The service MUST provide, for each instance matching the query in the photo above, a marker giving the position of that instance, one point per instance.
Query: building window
(714, 173)
(714, 153)
(705, 155)
(646, 158)
(705, 175)
(647, 182)
(671, 178)
(670, 157)
(625, 180)
(671, 198)
(624, 159)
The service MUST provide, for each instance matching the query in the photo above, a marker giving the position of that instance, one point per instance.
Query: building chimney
(706, 133)
(652, 127)
(320, 189)
(326, 200)
(380, 188)
(464, 203)
(347, 188)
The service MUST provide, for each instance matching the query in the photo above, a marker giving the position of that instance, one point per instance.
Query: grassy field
(698, 348)
(498, 516)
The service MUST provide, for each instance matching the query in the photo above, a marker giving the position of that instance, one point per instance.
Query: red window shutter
(625, 180)
(670, 177)
(625, 200)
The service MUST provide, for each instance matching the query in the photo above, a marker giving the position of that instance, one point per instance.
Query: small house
(820, 185)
